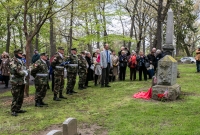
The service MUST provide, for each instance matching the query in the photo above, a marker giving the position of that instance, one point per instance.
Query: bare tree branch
(150, 5)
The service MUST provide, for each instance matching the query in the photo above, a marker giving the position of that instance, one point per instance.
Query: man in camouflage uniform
(71, 71)
(40, 73)
(58, 69)
(18, 74)
(82, 70)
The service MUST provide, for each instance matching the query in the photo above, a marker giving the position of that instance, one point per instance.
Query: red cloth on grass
(145, 95)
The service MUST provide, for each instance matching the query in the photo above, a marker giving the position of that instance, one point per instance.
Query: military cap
(74, 49)
(16, 51)
(42, 54)
(61, 48)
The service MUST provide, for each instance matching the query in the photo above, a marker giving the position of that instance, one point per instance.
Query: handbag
(147, 64)
(121, 64)
(92, 67)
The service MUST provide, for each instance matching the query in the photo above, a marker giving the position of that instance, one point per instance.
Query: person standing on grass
(18, 74)
(4, 67)
(82, 71)
(58, 70)
(132, 62)
(97, 69)
(115, 62)
(152, 60)
(35, 57)
(40, 73)
(198, 58)
(141, 60)
(122, 65)
(106, 64)
(72, 69)
(89, 70)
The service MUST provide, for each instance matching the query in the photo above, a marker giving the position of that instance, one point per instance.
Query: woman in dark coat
(142, 60)
(89, 70)
(122, 65)
(4, 67)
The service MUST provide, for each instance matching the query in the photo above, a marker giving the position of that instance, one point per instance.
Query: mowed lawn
(113, 109)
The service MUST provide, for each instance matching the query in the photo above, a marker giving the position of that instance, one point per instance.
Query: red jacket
(132, 61)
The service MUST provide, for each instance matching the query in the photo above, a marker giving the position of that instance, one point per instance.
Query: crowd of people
(101, 67)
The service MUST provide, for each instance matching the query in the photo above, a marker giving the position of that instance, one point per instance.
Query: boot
(55, 98)
(14, 114)
(84, 87)
(80, 87)
(61, 96)
(113, 79)
(42, 103)
(38, 104)
(69, 92)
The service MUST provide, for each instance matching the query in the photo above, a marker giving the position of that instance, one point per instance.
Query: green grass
(114, 109)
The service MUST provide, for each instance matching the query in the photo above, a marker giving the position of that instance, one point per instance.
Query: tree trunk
(14, 40)
(88, 33)
(150, 40)
(97, 28)
(187, 50)
(28, 46)
(20, 38)
(37, 41)
(105, 34)
(177, 46)
(71, 25)
(144, 49)
(158, 38)
(8, 34)
(131, 32)
(123, 31)
(52, 44)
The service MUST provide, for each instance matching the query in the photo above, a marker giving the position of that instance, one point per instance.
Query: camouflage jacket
(55, 64)
(17, 68)
(73, 63)
(40, 72)
(82, 65)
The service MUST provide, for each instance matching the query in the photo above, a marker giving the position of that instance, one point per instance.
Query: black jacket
(151, 58)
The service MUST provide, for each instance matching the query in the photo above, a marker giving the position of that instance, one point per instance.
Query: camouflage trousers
(82, 77)
(18, 97)
(71, 81)
(40, 93)
(58, 83)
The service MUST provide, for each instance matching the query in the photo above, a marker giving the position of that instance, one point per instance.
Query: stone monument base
(174, 91)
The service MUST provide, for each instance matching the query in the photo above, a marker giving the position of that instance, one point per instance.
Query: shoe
(73, 91)
(21, 111)
(61, 96)
(80, 88)
(38, 104)
(56, 99)
(107, 86)
(42, 103)
(69, 93)
(14, 114)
